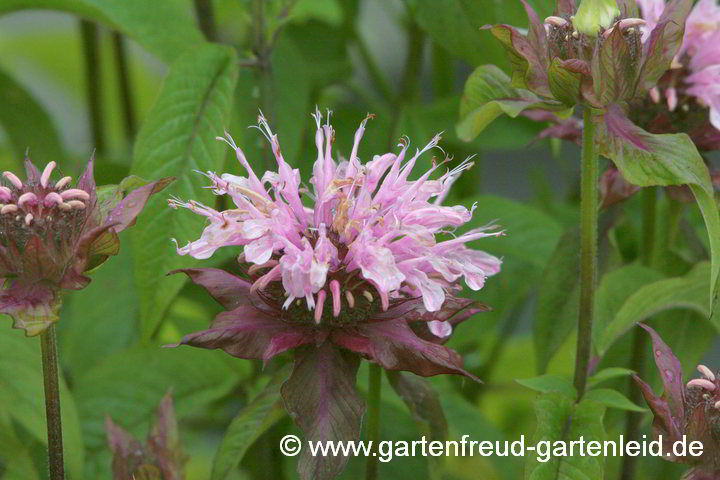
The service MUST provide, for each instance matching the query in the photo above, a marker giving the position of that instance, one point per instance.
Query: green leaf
(464, 18)
(531, 233)
(688, 291)
(248, 425)
(328, 11)
(163, 27)
(557, 300)
(488, 94)
(559, 418)
(614, 290)
(128, 386)
(608, 374)
(177, 139)
(27, 124)
(612, 399)
(15, 455)
(94, 324)
(564, 84)
(646, 159)
(549, 383)
(21, 391)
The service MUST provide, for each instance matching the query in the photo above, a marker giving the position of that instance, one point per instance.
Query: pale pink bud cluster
(38, 204)
(366, 230)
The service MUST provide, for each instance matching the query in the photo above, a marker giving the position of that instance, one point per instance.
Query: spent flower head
(362, 262)
(690, 410)
(52, 233)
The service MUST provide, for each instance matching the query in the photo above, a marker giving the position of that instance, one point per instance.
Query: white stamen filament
(28, 219)
(655, 94)
(701, 383)
(368, 296)
(63, 182)
(45, 177)
(12, 178)
(254, 268)
(350, 298)
(64, 206)
(11, 208)
(75, 193)
(27, 197)
(706, 372)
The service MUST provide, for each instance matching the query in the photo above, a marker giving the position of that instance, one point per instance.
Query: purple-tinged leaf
(247, 332)
(565, 84)
(164, 441)
(128, 452)
(614, 71)
(423, 402)
(663, 423)
(125, 212)
(529, 62)
(395, 346)
(565, 7)
(664, 42)
(321, 398)
(228, 290)
(614, 188)
(671, 372)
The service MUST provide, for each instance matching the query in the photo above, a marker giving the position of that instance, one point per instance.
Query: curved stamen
(64, 206)
(5, 194)
(28, 219)
(706, 372)
(701, 383)
(63, 182)
(11, 208)
(556, 21)
(12, 178)
(27, 197)
(52, 199)
(45, 177)
(319, 305)
(350, 298)
(335, 289)
(368, 296)
(75, 193)
(76, 204)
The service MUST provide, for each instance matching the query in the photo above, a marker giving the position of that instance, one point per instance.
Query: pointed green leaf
(177, 139)
(645, 159)
(608, 374)
(27, 124)
(248, 425)
(612, 399)
(688, 291)
(549, 383)
(559, 418)
(489, 94)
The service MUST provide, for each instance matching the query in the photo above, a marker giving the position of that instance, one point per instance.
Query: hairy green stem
(373, 424)
(588, 250)
(126, 94)
(52, 404)
(91, 51)
(638, 356)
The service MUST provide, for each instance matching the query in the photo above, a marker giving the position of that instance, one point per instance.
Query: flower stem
(52, 404)
(126, 94)
(91, 51)
(373, 425)
(588, 251)
(638, 359)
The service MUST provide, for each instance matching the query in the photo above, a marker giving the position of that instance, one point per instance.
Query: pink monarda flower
(690, 410)
(51, 233)
(161, 457)
(366, 265)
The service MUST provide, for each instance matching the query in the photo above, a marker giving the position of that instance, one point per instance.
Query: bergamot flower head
(362, 262)
(52, 233)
